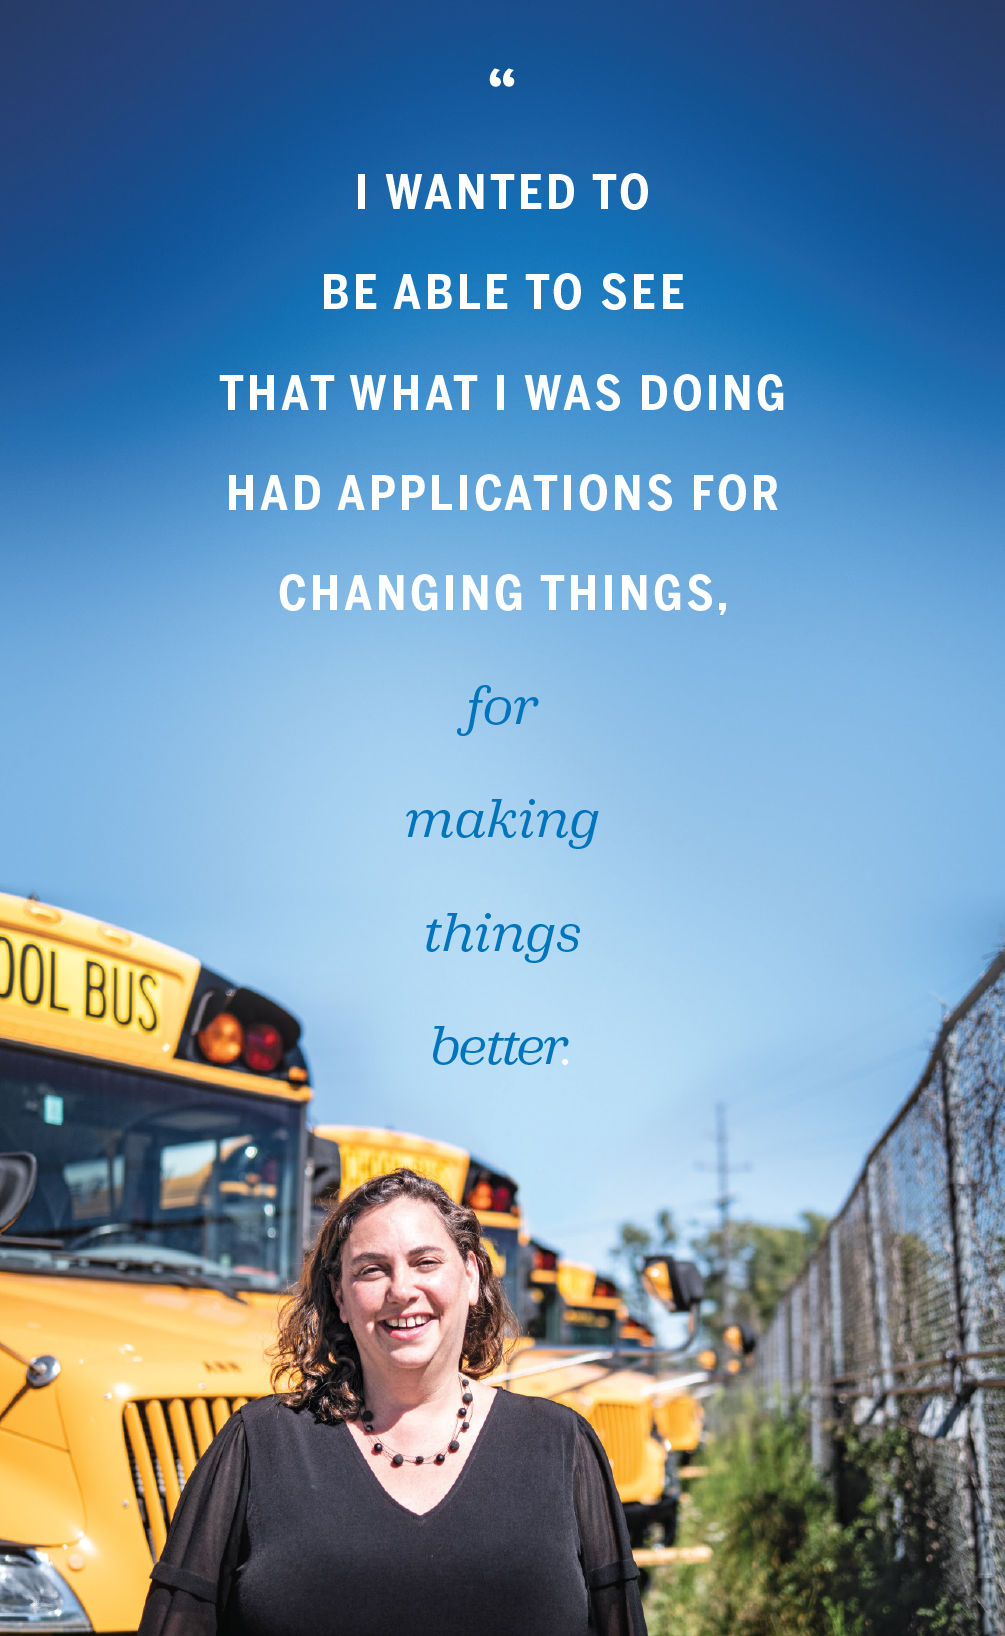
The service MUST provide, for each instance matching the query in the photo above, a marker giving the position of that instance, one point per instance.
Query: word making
(473, 1051)
(479, 941)
(564, 289)
(578, 835)
(508, 595)
(489, 712)
(543, 392)
(527, 194)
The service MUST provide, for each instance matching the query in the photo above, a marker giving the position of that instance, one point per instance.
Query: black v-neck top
(283, 1530)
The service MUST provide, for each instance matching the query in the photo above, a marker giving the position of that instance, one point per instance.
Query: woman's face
(406, 1291)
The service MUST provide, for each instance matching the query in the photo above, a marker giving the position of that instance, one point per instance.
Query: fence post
(797, 1337)
(836, 1404)
(816, 1368)
(837, 1307)
(968, 1333)
(776, 1351)
(785, 1350)
(878, 1260)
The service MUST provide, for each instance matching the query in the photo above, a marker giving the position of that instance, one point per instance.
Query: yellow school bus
(570, 1304)
(165, 1107)
(341, 1157)
(589, 1353)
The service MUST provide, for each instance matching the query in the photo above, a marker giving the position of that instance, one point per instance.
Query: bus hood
(129, 1340)
(66, 1485)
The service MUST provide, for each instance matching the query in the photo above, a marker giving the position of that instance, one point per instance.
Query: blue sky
(798, 850)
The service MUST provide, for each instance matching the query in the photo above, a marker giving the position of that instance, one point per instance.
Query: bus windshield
(150, 1178)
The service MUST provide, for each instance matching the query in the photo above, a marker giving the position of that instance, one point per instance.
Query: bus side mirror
(18, 1175)
(676, 1285)
(658, 1281)
(740, 1338)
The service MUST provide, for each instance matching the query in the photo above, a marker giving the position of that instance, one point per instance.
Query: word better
(472, 1052)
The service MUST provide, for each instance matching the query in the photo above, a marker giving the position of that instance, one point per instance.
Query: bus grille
(622, 1428)
(164, 1438)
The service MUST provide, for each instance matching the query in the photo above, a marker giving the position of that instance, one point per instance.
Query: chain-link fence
(900, 1313)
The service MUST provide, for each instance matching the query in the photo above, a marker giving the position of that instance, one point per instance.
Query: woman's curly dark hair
(315, 1351)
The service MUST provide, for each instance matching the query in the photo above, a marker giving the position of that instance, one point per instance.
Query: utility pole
(725, 1198)
(723, 1202)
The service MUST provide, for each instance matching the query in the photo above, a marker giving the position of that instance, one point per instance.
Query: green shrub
(785, 1563)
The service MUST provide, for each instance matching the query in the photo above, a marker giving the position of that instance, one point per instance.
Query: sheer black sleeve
(611, 1575)
(192, 1580)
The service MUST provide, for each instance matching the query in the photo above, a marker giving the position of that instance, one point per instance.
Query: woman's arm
(191, 1582)
(611, 1575)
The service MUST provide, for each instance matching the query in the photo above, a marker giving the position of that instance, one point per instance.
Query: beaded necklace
(465, 1414)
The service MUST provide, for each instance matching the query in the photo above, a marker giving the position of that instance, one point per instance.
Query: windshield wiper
(160, 1272)
(78, 1264)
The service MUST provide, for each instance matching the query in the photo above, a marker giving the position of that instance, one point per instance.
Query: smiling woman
(388, 1481)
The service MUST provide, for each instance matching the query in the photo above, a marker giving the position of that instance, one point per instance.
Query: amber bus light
(222, 1040)
(263, 1048)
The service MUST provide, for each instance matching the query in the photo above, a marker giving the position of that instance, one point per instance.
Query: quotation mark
(507, 78)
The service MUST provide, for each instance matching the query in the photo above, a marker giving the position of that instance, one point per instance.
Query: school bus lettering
(36, 978)
(6, 993)
(93, 989)
(67, 987)
(148, 1027)
(123, 1022)
(54, 1004)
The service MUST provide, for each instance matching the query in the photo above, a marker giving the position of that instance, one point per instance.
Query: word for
(542, 393)
(534, 954)
(425, 596)
(487, 706)
(592, 492)
(578, 839)
(566, 292)
(472, 1052)
(633, 188)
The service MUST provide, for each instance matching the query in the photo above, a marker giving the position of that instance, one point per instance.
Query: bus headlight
(34, 1597)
